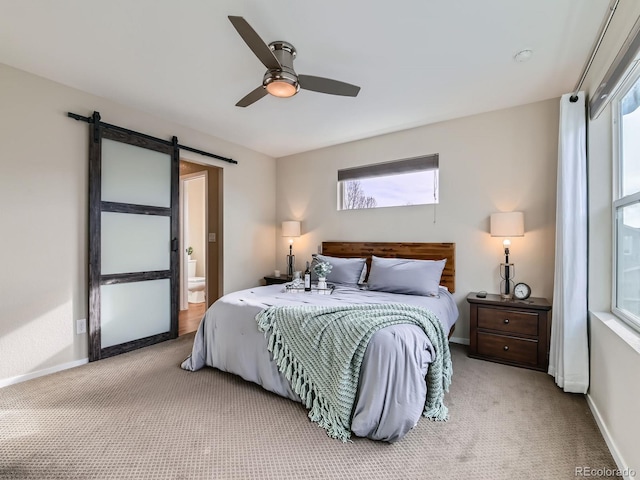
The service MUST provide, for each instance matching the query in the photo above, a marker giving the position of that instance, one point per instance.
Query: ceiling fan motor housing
(285, 53)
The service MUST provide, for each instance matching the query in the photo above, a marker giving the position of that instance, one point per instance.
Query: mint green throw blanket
(320, 352)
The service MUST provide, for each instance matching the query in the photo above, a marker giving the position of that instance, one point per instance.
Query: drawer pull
(506, 347)
(506, 321)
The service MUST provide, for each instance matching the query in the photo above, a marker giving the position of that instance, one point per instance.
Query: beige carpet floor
(139, 416)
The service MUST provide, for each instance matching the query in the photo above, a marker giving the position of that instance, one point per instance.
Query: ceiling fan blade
(255, 43)
(252, 97)
(326, 85)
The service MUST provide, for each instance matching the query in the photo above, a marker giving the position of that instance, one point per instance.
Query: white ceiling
(417, 61)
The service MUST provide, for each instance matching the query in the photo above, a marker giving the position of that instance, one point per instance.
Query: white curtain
(569, 355)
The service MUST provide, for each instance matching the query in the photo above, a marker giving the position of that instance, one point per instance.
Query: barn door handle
(174, 245)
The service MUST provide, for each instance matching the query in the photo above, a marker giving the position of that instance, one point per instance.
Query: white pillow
(404, 275)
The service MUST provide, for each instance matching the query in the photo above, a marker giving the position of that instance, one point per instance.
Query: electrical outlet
(212, 237)
(81, 326)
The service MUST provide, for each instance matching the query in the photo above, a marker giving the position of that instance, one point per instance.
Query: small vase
(322, 282)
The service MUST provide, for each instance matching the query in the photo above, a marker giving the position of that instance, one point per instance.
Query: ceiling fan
(281, 80)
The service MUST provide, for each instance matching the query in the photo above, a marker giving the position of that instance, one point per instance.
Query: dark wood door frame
(98, 131)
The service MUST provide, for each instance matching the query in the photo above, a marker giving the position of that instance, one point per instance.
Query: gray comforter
(392, 389)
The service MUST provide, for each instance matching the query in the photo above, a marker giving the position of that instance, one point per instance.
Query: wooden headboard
(418, 251)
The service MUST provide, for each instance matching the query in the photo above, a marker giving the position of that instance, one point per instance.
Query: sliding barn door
(133, 232)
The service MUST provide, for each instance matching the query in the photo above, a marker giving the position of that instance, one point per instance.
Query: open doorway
(199, 242)
(193, 228)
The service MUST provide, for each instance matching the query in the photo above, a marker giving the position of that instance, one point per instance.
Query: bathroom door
(133, 240)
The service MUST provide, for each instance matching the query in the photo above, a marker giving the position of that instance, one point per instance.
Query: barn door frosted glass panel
(135, 238)
(131, 311)
(135, 243)
(135, 175)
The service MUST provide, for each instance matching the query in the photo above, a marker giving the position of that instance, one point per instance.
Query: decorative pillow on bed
(403, 275)
(345, 270)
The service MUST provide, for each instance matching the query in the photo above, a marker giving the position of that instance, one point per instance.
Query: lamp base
(507, 271)
(506, 296)
(291, 261)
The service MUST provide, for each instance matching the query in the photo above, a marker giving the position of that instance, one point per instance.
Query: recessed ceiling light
(523, 56)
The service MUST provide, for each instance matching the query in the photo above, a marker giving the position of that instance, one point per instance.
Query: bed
(391, 389)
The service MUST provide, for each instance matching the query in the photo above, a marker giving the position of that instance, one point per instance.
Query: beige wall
(43, 193)
(615, 361)
(499, 161)
(615, 386)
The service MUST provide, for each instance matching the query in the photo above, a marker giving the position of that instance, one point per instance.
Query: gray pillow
(345, 270)
(403, 275)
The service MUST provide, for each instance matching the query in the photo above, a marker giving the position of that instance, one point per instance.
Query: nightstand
(515, 332)
(271, 280)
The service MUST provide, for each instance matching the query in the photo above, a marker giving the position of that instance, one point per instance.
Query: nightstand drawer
(511, 349)
(508, 321)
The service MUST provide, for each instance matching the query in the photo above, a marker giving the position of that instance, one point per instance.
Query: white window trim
(617, 199)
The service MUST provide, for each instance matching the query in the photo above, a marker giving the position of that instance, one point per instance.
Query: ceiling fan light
(282, 88)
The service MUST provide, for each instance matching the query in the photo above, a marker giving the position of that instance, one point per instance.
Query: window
(626, 204)
(413, 181)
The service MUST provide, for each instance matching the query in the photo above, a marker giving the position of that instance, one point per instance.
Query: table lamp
(507, 224)
(290, 229)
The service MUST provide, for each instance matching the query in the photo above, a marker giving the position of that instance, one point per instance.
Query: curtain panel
(569, 353)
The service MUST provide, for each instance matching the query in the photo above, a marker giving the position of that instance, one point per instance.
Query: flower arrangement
(189, 250)
(322, 269)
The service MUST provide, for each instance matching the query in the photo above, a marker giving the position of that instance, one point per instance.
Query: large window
(626, 204)
(413, 181)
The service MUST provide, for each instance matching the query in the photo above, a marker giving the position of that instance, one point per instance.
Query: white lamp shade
(291, 229)
(507, 224)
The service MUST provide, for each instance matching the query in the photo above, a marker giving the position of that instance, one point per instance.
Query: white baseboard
(47, 371)
(615, 453)
(460, 340)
